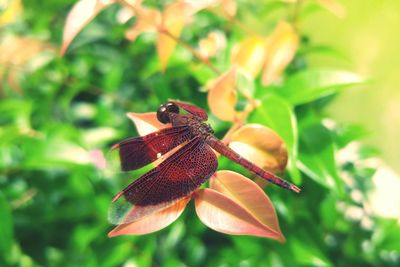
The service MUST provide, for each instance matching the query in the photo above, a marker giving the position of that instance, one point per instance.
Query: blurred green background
(60, 115)
(368, 36)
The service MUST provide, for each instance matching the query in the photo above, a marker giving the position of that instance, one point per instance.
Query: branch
(162, 30)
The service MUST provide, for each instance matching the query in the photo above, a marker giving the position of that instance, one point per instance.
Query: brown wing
(201, 113)
(177, 176)
(137, 152)
(174, 178)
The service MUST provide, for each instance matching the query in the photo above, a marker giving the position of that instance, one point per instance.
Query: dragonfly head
(164, 110)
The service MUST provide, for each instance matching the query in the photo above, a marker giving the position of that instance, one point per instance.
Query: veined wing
(137, 152)
(201, 113)
(176, 177)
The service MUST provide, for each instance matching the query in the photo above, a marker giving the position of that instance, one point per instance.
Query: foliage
(60, 115)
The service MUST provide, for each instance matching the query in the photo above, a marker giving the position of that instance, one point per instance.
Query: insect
(185, 169)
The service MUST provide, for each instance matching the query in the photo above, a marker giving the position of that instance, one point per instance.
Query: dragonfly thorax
(200, 128)
(197, 127)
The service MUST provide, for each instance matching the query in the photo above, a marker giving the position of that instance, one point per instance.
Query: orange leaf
(124, 14)
(210, 45)
(20, 55)
(146, 122)
(333, 6)
(223, 214)
(153, 221)
(260, 145)
(10, 11)
(228, 7)
(281, 48)
(250, 55)
(148, 19)
(247, 194)
(173, 19)
(79, 16)
(222, 96)
(17, 51)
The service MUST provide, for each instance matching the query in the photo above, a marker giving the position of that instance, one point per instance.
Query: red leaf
(223, 214)
(260, 145)
(247, 194)
(79, 16)
(152, 222)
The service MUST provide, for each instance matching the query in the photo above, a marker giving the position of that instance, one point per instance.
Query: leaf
(250, 55)
(124, 15)
(309, 85)
(228, 7)
(10, 11)
(387, 234)
(345, 134)
(324, 50)
(152, 222)
(222, 96)
(98, 159)
(248, 195)
(222, 214)
(121, 211)
(214, 42)
(277, 114)
(281, 48)
(6, 227)
(260, 145)
(79, 16)
(334, 7)
(196, 6)
(307, 253)
(148, 19)
(22, 54)
(18, 50)
(317, 157)
(58, 150)
(146, 122)
(128, 11)
(173, 19)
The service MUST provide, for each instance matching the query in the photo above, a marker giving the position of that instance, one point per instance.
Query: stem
(27, 196)
(240, 120)
(296, 11)
(244, 28)
(252, 103)
(162, 30)
(195, 53)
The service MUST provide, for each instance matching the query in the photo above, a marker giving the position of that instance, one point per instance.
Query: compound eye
(171, 107)
(162, 114)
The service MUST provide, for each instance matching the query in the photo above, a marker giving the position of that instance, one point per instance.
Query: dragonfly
(191, 164)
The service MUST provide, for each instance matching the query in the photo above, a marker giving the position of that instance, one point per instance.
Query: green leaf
(307, 253)
(324, 50)
(6, 227)
(387, 237)
(277, 114)
(317, 157)
(309, 85)
(345, 134)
